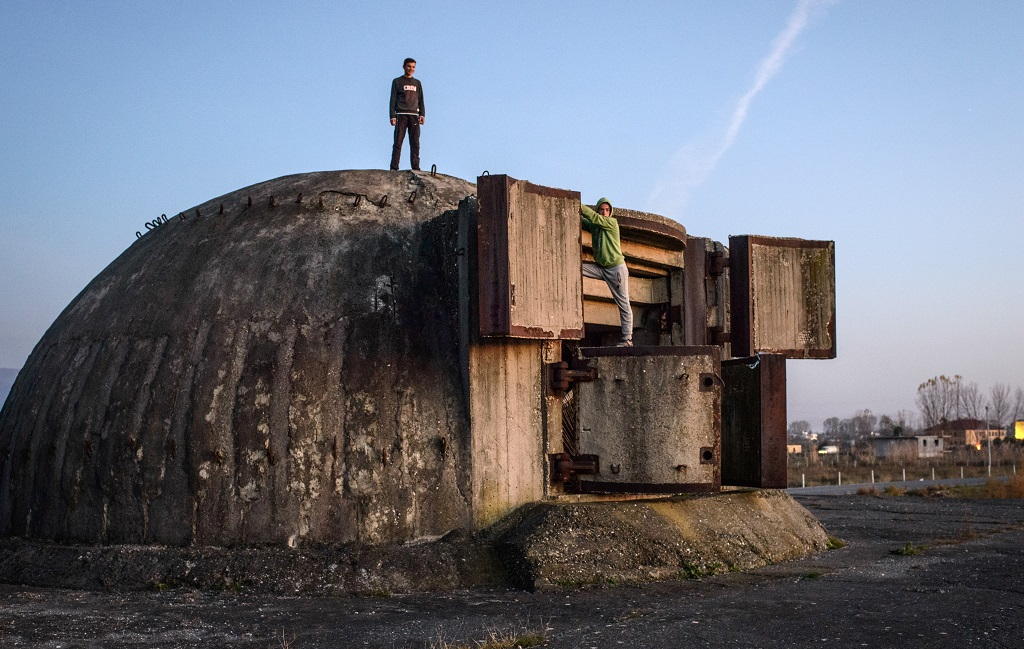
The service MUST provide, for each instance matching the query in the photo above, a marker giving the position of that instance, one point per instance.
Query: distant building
(794, 449)
(829, 449)
(966, 432)
(918, 446)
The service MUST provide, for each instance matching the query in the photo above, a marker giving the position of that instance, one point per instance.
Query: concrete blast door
(529, 280)
(650, 421)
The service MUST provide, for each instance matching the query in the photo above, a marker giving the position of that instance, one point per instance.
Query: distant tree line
(943, 399)
(939, 400)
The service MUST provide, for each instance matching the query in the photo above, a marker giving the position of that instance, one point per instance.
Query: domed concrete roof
(277, 365)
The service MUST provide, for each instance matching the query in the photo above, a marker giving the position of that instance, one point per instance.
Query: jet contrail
(692, 164)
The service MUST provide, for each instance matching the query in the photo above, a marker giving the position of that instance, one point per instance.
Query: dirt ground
(914, 572)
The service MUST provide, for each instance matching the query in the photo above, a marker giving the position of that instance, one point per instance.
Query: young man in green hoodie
(610, 264)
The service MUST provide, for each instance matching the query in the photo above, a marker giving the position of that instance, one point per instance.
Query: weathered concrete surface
(783, 295)
(962, 590)
(455, 562)
(280, 368)
(541, 546)
(650, 417)
(508, 414)
(538, 294)
(641, 541)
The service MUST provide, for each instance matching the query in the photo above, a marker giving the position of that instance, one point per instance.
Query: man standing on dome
(610, 264)
(407, 113)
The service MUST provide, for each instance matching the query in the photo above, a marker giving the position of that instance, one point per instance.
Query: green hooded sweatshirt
(604, 231)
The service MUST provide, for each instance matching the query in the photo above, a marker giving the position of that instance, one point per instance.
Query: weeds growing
(522, 637)
(908, 550)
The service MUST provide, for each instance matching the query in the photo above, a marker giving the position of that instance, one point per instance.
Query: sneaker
(625, 343)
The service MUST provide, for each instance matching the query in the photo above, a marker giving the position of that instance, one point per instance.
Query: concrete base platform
(568, 545)
(542, 546)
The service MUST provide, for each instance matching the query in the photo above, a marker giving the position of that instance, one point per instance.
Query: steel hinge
(719, 336)
(565, 467)
(561, 376)
(718, 263)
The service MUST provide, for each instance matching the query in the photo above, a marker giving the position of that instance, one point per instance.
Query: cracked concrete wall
(281, 366)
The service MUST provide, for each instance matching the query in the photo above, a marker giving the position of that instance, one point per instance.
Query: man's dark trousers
(412, 123)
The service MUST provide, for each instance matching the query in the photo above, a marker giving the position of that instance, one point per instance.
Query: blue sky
(895, 128)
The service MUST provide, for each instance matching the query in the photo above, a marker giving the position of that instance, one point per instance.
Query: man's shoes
(625, 343)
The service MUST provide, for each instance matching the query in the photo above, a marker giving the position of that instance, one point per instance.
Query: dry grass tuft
(521, 638)
(1012, 488)
(908, 550)
(286, 643)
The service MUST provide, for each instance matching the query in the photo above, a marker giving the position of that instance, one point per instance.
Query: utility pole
(988, 432)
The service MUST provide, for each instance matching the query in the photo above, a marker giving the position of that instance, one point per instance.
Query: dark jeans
(412, 123)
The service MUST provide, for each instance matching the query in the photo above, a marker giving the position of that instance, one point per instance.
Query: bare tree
(831, 425)
(847, 428)
(999, 399)
(906, 420)
(864, 422)
(972, 401)
(887, 425)
(938, 399)
(798, 428)
(1018, 404)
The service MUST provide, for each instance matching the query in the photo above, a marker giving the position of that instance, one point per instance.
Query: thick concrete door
(652, 418)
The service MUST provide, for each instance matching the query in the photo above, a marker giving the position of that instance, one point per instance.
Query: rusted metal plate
(754, 422)
(705, 316)
(529, 278)
(695, 291)
(653, 417)
(783, 294)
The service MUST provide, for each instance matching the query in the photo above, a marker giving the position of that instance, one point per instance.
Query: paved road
(957, 583)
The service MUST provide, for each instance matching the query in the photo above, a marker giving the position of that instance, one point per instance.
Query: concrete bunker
(365, 356)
